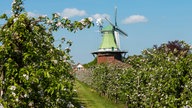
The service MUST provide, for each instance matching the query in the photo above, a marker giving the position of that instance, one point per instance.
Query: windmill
(109, 50)
(116, 29)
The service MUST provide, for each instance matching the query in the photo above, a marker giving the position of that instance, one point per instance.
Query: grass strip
(90, 99)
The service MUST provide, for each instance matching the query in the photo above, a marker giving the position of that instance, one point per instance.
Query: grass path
(90, 99)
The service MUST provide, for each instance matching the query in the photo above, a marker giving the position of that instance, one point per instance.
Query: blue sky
(147, 22)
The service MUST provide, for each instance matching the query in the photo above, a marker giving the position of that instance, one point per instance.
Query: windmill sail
(121, 32)
(116, 16)
(117, 39)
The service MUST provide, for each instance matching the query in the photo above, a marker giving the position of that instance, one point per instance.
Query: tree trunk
(2, 81)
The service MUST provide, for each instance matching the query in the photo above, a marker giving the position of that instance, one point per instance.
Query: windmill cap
(107, 28)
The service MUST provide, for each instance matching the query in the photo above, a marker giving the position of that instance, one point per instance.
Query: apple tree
(34, 72)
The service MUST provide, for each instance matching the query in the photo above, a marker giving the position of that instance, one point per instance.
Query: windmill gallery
(109, 50)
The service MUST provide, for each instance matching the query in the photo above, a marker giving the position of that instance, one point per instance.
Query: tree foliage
(91, 64)
(178, 48)
(159, 77)
(35, 73)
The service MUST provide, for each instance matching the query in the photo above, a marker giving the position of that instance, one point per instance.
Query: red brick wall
(105, 58)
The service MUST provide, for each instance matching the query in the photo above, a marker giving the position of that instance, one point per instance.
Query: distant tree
(35, 73)
(90, 64)
(176, 47)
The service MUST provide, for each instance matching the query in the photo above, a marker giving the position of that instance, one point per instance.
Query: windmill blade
(109, 22)
(121, 32)
(117, 40)
(116, 16)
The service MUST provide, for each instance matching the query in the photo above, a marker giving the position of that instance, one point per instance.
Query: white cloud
(32, 14)
(72, 12)
(102, 16)
(135, 19)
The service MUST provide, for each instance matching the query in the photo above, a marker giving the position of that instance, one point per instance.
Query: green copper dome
(108, 41)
